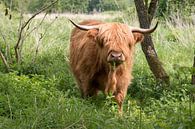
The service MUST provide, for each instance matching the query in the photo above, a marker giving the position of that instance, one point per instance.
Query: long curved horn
(144, 31)
(84, 27)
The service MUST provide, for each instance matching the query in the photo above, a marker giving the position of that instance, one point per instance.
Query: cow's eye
(101, 44)
(99, 41)
(130, 45)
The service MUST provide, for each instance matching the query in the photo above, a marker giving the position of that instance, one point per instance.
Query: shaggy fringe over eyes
(116, 36)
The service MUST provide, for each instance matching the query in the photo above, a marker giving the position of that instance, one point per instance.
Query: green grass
(42, 93)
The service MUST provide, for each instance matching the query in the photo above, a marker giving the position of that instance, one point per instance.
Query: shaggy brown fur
(88, 58)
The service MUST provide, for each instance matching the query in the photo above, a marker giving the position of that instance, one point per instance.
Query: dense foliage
(73, 6)
(166, 7)
(42, 93)
(176, 7)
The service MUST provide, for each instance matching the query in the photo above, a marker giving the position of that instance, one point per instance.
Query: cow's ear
(92, 33)
(138, 37)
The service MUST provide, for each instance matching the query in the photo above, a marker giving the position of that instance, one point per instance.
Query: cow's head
(116, 41)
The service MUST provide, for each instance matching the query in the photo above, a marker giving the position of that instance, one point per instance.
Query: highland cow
(101, 57)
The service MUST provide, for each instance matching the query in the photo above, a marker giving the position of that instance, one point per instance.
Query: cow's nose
(115, 58)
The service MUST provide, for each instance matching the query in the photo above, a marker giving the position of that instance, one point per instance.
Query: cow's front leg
(119, 98)
(111, 85)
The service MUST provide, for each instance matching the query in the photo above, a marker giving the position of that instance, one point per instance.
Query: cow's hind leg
(89, 93)
(88, 90)
(93, 91)
(83, 86)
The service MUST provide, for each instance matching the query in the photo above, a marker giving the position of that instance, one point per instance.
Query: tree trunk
(145, 17)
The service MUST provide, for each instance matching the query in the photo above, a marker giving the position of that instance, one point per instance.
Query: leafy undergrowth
(37, 102)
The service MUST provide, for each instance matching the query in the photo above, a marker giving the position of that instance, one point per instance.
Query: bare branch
(40, 38)
(4, 39)
(3, 59)
(43, 9)
(152, 9)
(36, 27)
(24, 26)
(37, 47)
(1, 54)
